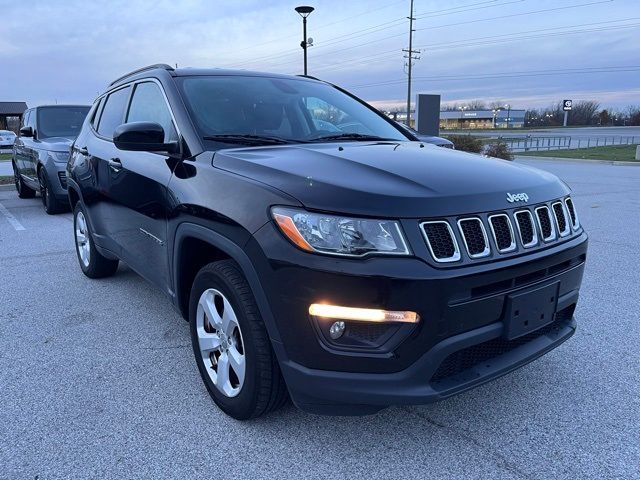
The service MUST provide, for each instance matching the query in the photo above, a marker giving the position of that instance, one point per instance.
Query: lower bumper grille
(469, 357)
(62, 176)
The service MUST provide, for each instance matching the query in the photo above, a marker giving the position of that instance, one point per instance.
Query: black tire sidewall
(242, 405)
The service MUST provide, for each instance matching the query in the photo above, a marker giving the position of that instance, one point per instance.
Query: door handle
(115, 164)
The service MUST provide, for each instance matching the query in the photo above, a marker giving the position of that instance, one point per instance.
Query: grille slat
(474, 236)
(441, 241)
(544, 222)
(502, 232)
(561, 219)
(572, 213)
(526, 228)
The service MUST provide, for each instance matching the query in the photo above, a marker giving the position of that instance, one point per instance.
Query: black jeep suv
(317, 250)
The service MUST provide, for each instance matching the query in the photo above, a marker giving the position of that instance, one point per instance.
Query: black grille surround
(494, 235)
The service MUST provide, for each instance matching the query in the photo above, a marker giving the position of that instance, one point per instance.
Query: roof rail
(150, 67)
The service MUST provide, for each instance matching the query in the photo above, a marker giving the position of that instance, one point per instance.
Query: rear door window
(113, 112)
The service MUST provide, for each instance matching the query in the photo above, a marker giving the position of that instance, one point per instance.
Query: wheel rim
(220, 342)
(16, 179)
(44, 191)
(82, 239)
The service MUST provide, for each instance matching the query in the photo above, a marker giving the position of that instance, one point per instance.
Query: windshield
(60, 121)
(292, 110)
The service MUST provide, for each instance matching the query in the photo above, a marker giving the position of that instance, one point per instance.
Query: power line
(489, 40)
(425, 28)
(511, 74)
(377, 28)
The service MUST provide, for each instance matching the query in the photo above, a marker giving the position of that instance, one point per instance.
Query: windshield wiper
(248, 139)
(352, 136)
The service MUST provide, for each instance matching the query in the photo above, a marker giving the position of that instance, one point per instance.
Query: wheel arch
(212, 246)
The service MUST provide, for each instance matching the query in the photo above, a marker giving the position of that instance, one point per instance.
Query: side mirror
(26, 132)
(142, 137)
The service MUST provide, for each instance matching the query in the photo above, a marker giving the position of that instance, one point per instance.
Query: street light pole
(304, 11)
(508, 105)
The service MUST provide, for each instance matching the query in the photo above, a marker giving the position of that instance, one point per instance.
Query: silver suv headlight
(59, 157)
(338, 235)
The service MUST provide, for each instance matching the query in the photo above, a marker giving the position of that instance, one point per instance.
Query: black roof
(12, 108)
(187, 72)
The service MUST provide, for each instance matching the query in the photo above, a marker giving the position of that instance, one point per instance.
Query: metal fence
(523, 144)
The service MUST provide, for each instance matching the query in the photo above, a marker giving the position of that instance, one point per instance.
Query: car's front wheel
(21, 188)
(231, 344)
(51, 204)
(92, 262)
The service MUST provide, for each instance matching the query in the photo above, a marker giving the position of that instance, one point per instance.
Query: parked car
(351, 271)
(41, 152)
(7, 137)
(439, 141)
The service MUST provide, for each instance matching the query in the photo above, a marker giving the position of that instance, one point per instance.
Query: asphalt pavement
(97, 378)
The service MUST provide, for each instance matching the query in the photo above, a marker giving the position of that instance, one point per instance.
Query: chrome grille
(502, 232)
(441, 241)
(474, 237)
(526, 228)
(561, 219)
(547, 229)
(535, 227)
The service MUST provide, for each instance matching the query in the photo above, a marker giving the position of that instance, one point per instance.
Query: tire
(51, 204)
(21, 188)
(92, 263)
(222, 285)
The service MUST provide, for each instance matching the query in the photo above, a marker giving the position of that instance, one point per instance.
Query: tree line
(584, 112)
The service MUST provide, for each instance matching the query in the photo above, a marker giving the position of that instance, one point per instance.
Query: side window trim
(164, 96)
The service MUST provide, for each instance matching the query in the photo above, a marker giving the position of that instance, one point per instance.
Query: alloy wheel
(220, 342)
(82, 239)
(44, 191)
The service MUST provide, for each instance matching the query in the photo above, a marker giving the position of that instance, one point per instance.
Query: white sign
(566, 105)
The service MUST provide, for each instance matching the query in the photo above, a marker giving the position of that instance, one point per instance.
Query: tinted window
(294, 109)
(96, 113)
(148, 105)
(60, 121)
(113, 112)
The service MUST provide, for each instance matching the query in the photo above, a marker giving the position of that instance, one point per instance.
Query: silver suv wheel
(82, 239)
(220, 342)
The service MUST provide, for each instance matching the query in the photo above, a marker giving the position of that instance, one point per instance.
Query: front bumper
(459, 343)
(57, 174)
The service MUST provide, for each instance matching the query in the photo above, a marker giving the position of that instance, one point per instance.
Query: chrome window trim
(486, 250)
(567, 221)
(534, 240)
(456, 253)
(552, 237)
(575, 225)
(511, 247)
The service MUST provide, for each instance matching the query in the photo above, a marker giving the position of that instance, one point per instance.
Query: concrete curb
(580, 160)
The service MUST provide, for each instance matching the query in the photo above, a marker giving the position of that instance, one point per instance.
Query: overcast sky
(525, 52)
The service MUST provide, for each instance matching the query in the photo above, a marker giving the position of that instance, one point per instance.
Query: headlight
(59, 157)
(336, 235)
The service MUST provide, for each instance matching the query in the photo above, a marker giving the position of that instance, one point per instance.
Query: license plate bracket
(529, 310)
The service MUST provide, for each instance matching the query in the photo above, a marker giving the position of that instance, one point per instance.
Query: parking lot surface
(97, 378)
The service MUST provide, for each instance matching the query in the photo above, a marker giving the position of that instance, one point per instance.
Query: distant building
(459, 119)
(11, 114)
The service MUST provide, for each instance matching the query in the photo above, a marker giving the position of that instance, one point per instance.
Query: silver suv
(41, 152)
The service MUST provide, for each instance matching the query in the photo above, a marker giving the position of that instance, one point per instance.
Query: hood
(56, 144)
(390, 179)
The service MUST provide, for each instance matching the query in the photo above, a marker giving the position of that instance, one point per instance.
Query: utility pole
(410, 58)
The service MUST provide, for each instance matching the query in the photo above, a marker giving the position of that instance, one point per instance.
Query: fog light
(362, 314)
(337, 329)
